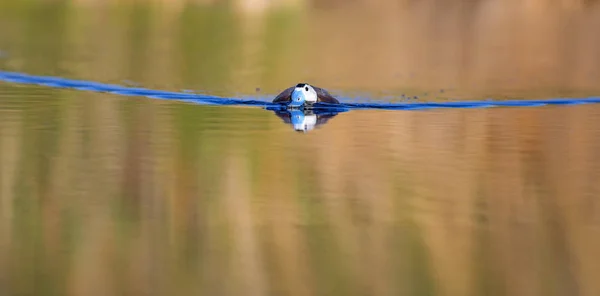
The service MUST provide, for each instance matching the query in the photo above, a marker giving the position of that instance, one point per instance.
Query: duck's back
(285, 96)
(322, 96)
(325, 96)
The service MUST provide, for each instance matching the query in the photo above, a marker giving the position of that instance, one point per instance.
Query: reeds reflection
(470, 49)
(104, 195)
(107, 195)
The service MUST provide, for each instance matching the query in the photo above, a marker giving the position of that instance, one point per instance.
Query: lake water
(103, 194)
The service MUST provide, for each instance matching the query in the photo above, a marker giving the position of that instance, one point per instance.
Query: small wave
(58, 82)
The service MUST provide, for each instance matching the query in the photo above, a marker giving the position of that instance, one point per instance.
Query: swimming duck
(304, 94)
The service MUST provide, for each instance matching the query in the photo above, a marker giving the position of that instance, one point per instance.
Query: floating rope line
(57, 82)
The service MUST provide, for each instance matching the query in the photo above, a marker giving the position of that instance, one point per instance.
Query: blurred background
(108, 195)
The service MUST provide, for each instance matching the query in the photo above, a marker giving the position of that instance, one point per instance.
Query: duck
(304, 95)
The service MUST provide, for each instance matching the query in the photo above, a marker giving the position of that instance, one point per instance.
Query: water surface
(102, 194)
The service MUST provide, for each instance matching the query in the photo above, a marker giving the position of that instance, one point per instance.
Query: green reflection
(109, 195)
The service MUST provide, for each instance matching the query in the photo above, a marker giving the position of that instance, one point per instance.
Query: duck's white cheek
(311, 97)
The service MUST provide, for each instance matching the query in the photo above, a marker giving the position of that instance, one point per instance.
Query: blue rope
(57, 82)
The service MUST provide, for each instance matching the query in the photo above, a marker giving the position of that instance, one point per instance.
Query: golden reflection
(104, 195)
(446, 202)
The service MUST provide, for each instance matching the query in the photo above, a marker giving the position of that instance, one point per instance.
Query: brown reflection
(104, 195)
(467, 49)
(448, 202)
(478, 47)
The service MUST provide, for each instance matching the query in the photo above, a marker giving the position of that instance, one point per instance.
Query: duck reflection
(305, 120)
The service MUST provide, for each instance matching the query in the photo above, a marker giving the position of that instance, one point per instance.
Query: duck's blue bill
(297, 98)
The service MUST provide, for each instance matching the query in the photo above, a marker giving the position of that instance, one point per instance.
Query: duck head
(303, 93)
